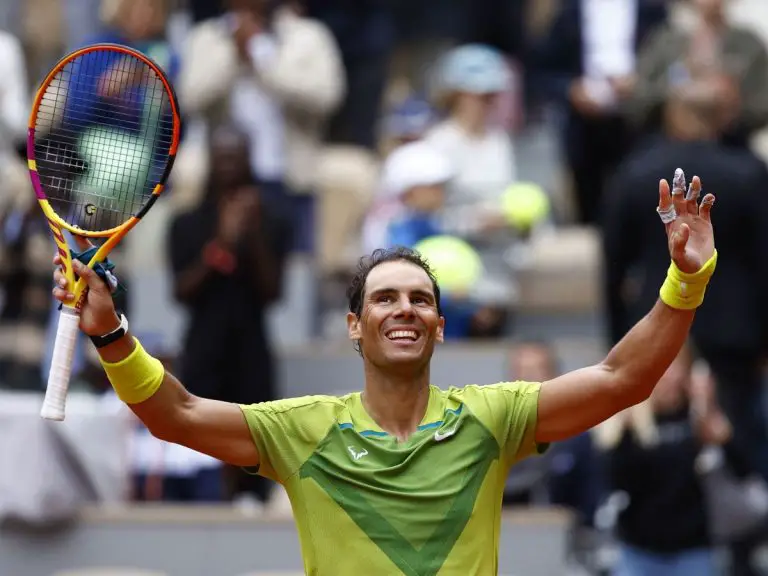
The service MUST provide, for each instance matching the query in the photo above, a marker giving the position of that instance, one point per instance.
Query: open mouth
(402, 335)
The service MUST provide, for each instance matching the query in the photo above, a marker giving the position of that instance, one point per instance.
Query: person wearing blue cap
(468, 81)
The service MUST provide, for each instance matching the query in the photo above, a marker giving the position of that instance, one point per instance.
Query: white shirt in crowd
(483, 166)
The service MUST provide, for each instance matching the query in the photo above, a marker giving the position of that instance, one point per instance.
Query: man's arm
(575, 402)
(579, 400)
(173, 414)
(166, 408)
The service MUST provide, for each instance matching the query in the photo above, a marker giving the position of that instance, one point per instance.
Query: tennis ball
(525, 204)
(456, 264)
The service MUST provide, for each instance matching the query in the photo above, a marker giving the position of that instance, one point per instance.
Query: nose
(404, 307)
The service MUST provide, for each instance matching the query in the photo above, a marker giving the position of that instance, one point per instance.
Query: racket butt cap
(51, 413)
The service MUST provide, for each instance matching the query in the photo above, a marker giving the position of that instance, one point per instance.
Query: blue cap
(474, 68)
(411, 117)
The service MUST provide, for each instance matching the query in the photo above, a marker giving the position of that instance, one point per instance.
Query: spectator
(586, 64)
(730, 328)
(468, 81)
(227, 257)
(652, 451)
(410, 199)
(718, 66)
(278, 74)
(24, 291)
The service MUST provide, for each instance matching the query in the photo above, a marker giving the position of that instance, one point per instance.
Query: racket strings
(103, 134)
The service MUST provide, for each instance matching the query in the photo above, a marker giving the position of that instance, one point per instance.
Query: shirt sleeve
(510, 410)
(286, 432)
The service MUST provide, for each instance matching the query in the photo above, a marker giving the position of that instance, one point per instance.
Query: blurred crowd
(327, 128)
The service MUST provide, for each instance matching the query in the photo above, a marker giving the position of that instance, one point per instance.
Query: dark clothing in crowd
(666, 508)
(730, 326)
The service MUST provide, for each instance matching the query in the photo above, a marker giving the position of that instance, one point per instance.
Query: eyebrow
(416, 292)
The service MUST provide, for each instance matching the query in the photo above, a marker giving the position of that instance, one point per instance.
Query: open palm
(690, 236)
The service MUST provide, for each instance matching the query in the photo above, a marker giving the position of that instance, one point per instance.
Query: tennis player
(407, 476)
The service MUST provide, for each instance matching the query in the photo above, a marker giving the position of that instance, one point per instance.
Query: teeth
(397, 334)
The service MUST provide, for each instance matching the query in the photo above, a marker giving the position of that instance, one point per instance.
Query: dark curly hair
(356, 290)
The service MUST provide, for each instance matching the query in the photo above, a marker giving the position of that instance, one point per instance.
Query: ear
(353, 326)
(440, 334)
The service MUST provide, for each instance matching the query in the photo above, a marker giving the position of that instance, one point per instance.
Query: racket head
(102, 138)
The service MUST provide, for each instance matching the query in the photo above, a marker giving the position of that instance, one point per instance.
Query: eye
(384, 299)
(419, 300)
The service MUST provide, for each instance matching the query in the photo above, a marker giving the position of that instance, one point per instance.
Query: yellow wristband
(136, 377)
(684, 291)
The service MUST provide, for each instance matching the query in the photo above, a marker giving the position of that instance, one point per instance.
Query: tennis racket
(103, 134)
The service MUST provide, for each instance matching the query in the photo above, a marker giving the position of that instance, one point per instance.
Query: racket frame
(61, 366)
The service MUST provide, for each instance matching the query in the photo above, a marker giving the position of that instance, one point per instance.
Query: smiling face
(399, 323)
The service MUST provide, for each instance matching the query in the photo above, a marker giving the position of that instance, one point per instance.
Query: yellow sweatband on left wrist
(136, 377)
(684, 291)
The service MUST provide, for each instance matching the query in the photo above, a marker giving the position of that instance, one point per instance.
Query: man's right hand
(98, 316)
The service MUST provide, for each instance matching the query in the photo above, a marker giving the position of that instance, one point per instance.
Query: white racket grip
(61, 365)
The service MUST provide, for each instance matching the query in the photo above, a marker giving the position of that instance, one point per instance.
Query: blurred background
(517, 142)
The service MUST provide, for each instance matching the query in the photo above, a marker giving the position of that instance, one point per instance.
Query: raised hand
(689, 226)
(98, 316)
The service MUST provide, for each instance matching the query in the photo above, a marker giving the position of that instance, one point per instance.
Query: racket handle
(61, 365)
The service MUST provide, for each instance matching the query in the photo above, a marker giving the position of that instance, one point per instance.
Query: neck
(396, 403)
(712, 22)
(470, 121)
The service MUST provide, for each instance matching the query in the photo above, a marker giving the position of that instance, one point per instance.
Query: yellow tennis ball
(456, 264)
(525, 204)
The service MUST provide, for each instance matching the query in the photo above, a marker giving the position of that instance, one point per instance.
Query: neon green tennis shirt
(366, 504)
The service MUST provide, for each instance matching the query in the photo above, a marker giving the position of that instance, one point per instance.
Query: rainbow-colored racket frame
(61, 366)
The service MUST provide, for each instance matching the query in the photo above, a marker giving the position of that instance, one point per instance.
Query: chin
(416, 357)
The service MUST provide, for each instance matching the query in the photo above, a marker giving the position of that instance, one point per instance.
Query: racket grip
(61, 365)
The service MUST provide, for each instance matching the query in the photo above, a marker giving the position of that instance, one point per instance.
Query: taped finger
(667, 215)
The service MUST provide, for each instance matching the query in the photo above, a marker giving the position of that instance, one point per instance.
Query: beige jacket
(306, 76)
(744, 57)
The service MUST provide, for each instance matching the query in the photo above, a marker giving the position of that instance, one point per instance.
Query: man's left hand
(689, 227)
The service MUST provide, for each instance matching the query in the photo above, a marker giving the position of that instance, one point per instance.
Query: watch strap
(116, 334)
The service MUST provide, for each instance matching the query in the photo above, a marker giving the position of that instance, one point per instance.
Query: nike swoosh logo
(439, 436)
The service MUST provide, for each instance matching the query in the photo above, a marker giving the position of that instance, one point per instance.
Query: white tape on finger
(61, 366)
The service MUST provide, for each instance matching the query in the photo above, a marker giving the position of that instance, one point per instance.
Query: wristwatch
(116, 334)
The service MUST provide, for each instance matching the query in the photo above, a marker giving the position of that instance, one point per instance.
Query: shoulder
(499, 139)
(207, 29)
(316, 412)
(497, 401)
(513, 389)
(308, 29)
(438, 134)
(748, 169)
(301, 404)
